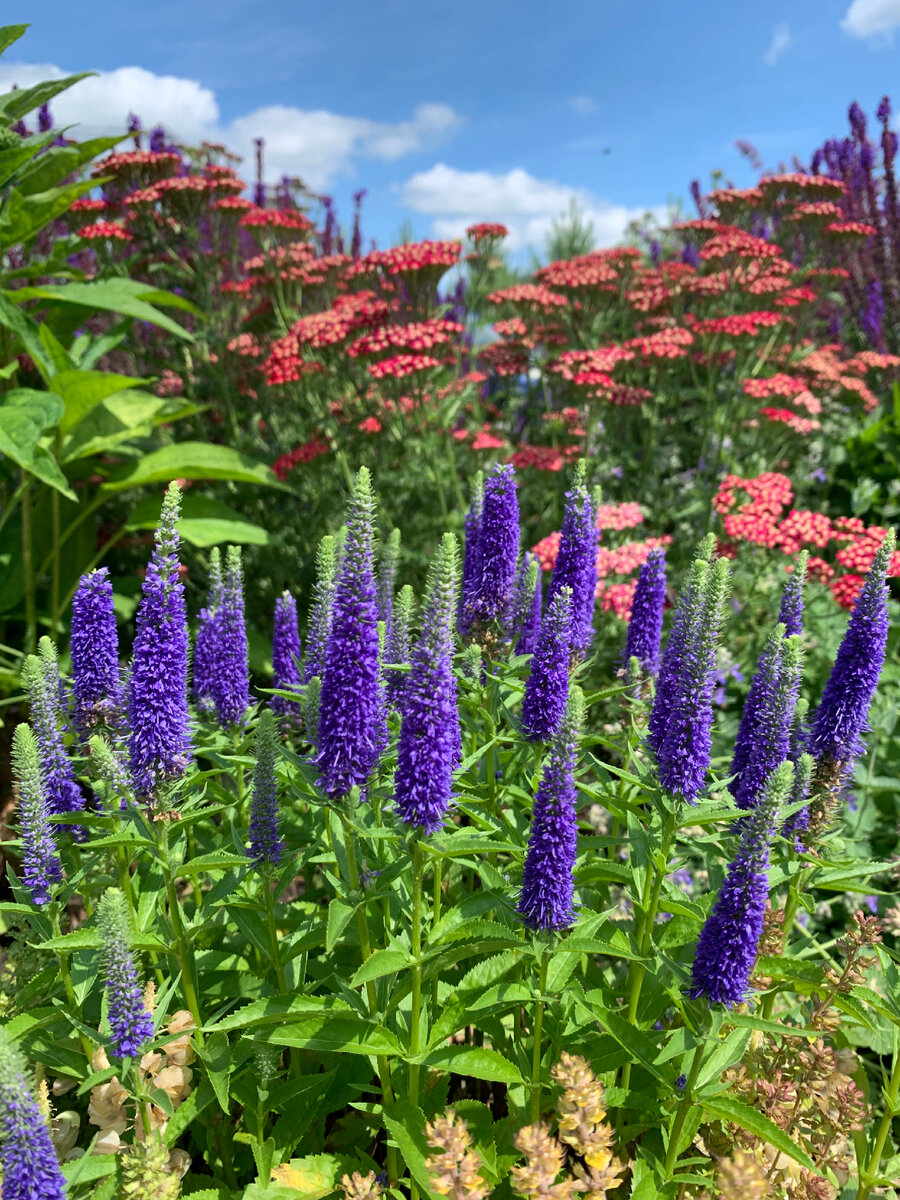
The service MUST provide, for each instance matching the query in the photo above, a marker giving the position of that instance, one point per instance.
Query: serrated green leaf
(347, 1034)
(278, 1009)
(406, 1125)
(727, 1108)
(379, 964)
(475, 1061)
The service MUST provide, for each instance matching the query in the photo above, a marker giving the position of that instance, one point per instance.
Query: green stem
(685, 1105)
(182, 946)
(869, 1174)
(28, 578)
(435, 917)
(416, 945)
(538, 1033)
(55, 564)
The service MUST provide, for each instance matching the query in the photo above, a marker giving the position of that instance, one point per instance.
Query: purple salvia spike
(645, 625)
(350, 723)
(94, 648)
(131, 1026)
(576, 562)
(429, 745)
(547, 687)
(160, 742)
(286, 655)
(41, 868)
(231, 686)
(28, 1159)
(546, 901)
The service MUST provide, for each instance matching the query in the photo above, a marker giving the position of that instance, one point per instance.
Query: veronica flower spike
(205, 663)
(471, 566)
(41, 868)
(645, 625)
(350, 723)
(231, 686)
(547, 687)
(130, 1024)
(729, 941)
(493, 589)
(286, 655)
(30, 1166)
(320, 613)
(160, 743)
(546, 901)
(398, 647)
(429, 745)
(265, 845)
(387, 575)
(43, 684)
(576, 562)
(529, 606)
(94, 647)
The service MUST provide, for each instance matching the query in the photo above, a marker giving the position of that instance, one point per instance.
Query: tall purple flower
(387, 576)
(548, 888)
(471, 565)
(645, 626)
(131, 1026)
(320, 615)
(205, 665)
(526, 624)
(791, 612)
(350, 707)
(41, 868)
(286, 655)
(231, 685)
(398, 647)
(680, 725)
(764, 736)
(265, 844)
(872, 319)
(160, 742)
(94, 647)
(576, 562)
(45, 119)
(843, 710)
(547, 687)
(48, 719)
(428, 749)
(30, 1166)
(729, 941)
(493, 587)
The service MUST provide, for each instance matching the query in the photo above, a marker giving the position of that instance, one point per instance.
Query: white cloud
(527, 206)
(781, 39)
(583, 105)
(867, 17)
(314, 144)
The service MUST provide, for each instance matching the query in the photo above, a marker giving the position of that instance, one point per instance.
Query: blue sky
(480, 110)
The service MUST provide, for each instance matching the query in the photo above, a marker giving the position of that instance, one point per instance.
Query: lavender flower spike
(231, 686)
(265, 845)
(398, 647)
(548, 887)
(286, 655)
(471, 568)
(576, 562)
(94, 647)
(387, 575)
(791, 613)
(160, 744)
(529, 606)
(48, 720)
(320, 615)
(350, 710)
(429, 744)
(41, 867)
(30, 1166)
(843, 710)
(205, 666)
(130, 1024)
(491, 597)
(547, 687)
(645, 626)
(729, 941)
(764, 736)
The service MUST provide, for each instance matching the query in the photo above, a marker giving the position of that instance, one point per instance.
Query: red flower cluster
(105, 230)
(132, 160)
(302, 454)
(416, 256)
(529, 294)
(542, 458)
(420, 335)
(851, 229)
(87, 204)
(486, 231)
(401, 365)
(233, 204)
(784, 416)
(619, 516)
(276, 218)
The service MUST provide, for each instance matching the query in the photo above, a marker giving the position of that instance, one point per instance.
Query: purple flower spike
(548, 888)
(94, 646)
(398, 647)
(30, 1166)
(576, 562)
(160, 744)
(529, 606)
(471, 567)
(206, 663)
(491, 598)
(844, 708)
(790, 614)
(645, 626)
(48, 719)
(763, 739)
(286, 655)
(429, 746)
(265, 844)
(729, 941)
(130, 1024)
(350, 705)
(387, 576)
(320, 615)
(231, 686)
(547, 687)
(41, 868)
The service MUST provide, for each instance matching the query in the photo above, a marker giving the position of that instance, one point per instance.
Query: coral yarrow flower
(107, 230)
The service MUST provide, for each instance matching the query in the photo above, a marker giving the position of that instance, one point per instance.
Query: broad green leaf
(88, 1168)
(27, 331)
(15, 157)
(312, 1177)
(406, 1125)
(10, 34)
(346, 1034)
(278, 1010)
(60, 162)
(194, 460)
(216, 1057)
(82, 391)
(43, 408)
(24, 100)
(381, 963)
(122, 418)
(23, 217)
(19, 436)
(203, 522)
(474, 1061)
(726, 1108)
(91, 939)
(339, 917)
(111, 295)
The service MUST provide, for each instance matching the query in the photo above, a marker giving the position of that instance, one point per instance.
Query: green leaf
(203, 522)
(216, 1057)
(44, 409)
(121, 418)
(19, 436)
(382, 962)
(60, 162)
(344, 1034)
(474, 1061)
(111, 295)
(406, 1125)
(194, 460)
(339, 917)
(10, 34)
(82, 391)
(278, 1009)
(28, 333)
(15, 105)
(726, 1108)
(91, 939)
(23, 217)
